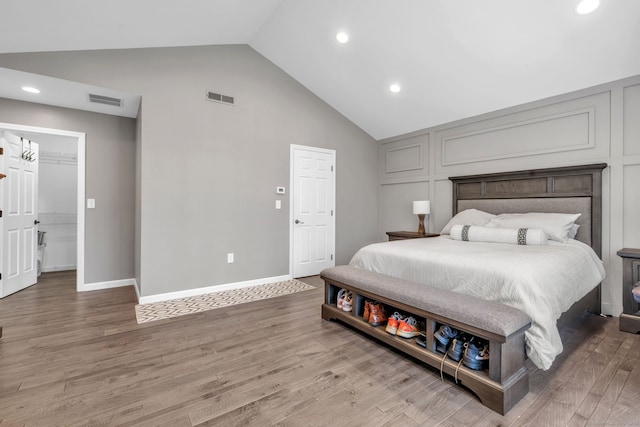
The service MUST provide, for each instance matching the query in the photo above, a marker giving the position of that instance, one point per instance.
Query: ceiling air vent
(106, 100)
(218, 97)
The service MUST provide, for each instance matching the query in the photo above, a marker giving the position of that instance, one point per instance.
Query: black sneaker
(444, 334)
(456, 349)
(476, 355)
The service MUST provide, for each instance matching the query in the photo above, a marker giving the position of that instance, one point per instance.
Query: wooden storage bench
(499, 388)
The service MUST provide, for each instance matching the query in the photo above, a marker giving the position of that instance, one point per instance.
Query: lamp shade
(421, 207)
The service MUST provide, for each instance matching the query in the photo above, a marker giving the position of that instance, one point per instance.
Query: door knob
(36, 222)
(297, 221)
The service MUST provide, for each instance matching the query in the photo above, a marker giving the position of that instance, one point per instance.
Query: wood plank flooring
(80, 359)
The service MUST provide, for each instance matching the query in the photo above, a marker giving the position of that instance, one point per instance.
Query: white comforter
(542, 281)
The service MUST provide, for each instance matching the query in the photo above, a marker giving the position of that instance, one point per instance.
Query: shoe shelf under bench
(499, 388)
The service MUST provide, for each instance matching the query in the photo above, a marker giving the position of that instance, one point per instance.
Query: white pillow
(468, 217)
(573, 231)
(556, 225)
(513, 236)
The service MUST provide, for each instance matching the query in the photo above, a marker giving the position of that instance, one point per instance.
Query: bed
(543, 281)
(568, 190)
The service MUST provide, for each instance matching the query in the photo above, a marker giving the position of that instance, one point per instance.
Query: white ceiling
(453, 58)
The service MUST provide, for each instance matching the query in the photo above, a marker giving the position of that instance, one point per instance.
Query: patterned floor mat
(179, 307)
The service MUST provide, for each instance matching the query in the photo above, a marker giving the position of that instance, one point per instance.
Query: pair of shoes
(443, 335)
(377, 314)
(456, 349)
(393, 323)
(367, 310)
(345, 300)
(476, 355)
(405, 327)
(408, 328)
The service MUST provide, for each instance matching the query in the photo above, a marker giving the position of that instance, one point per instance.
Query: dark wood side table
(630, 317)
(403, 235)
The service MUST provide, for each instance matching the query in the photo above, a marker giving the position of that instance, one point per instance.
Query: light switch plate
(278, 204)
(91, 203)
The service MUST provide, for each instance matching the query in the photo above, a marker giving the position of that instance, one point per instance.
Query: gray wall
(110, 163)
(595, 125)
(208, 171)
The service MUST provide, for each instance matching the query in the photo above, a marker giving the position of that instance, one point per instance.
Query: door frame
(292, 148)
(81, 138)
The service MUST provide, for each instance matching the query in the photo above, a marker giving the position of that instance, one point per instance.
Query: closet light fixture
(395, 88)
(585, 7)
(30, 89)
(342, 37)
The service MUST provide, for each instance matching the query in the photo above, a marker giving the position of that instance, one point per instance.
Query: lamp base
(421, 223)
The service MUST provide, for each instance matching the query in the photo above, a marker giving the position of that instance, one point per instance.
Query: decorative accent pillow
(514, 236)
(468, 217)
(556, 225)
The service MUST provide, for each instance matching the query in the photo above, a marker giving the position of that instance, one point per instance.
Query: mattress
(543, 281)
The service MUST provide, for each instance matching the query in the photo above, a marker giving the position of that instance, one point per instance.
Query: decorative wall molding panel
(507, 141)
(396, 206)
(631, 118)
(559, 133)
(631, 206)
(404, 160)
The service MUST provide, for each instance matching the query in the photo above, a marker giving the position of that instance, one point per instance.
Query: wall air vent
(106, 100)
(218, 97)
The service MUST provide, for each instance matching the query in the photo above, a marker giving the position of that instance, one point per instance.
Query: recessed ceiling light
(30, 89)
(342, 37)
(395, 88)
(585, 7)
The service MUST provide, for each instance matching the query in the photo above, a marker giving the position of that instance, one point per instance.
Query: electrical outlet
(278, 204)
(230, 258)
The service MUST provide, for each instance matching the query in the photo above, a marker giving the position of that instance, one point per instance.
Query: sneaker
(377, 315)
(444, 334)
(476, 355)
(392, 324)
(422, 340)
(342, 293)
(408, 328)
(347, 304)
(367, 310)
(456, 349)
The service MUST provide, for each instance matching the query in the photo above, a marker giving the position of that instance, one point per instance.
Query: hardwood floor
(70, 358)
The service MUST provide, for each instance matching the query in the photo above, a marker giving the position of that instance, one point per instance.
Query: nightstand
(630, 317)
(403, 235)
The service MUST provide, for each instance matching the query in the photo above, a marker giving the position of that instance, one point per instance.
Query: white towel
(514, 236)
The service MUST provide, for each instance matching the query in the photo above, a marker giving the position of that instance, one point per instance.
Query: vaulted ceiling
(451, 58)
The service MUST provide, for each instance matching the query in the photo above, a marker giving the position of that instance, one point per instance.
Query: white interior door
(19, 205)
(313, 209)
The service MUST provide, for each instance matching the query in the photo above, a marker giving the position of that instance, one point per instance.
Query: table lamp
(421, 208)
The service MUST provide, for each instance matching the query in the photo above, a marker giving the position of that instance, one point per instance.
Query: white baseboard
(108, 285)
(135, 286)
(58, 268)
(209, 289)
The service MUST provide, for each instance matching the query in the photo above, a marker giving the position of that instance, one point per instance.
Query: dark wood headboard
(571, 189)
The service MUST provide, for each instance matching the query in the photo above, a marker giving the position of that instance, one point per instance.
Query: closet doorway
(61, 188)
